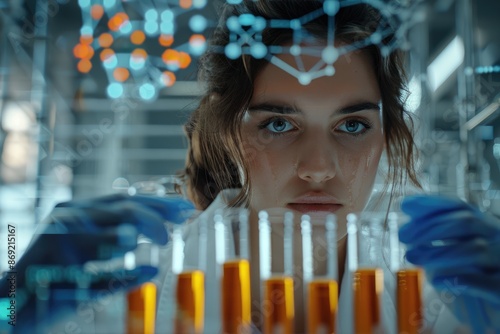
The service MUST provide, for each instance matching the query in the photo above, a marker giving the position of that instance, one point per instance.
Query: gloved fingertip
(144, 273)
(404, 234)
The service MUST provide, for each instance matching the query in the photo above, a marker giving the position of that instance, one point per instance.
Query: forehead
(354, 78)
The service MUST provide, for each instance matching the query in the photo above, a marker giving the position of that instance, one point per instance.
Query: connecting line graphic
(246, 37)
(145, 74)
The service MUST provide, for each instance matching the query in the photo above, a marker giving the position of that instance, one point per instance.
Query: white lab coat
(437, 317)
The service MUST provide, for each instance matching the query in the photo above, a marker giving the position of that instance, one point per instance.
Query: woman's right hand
(99, 229)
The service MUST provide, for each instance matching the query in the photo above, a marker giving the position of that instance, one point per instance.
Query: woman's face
(314, 148)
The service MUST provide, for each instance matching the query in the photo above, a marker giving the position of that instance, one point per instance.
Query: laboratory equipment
(320, 272)
(276, 271)
(189, 269)
(365, 232)
(142, 301)
(409, 280)
(232, 254)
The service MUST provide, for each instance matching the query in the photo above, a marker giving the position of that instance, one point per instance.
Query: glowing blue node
(197, 49)
(295, 50)
(115, 90)
(199, 3)
(136, 63)
(376, 38)
(151, 27)
(233, 2)
(198, 23)
(258, 50)
(233, 24)
(151, 15)
(304, 79)
(167, 15)
(246, 19)
(86, 31)
(126, 27)
(295, 24)
(83, 3)
(329, 70)
(110, 62)
(232, 50)
(147, 91)
(329, 54)
(109, 3)
(167, 28)
(331, 7)
(259, 24)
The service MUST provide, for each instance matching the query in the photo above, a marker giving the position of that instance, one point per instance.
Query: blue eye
(279, 125)
(353, 127)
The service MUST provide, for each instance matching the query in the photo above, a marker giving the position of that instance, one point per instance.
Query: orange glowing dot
(185, 3)
(86, 39)
(83, 51)
(121, 74)
(106, 54)
(168, 78)
(84, 66)
(139, 53)
(90, 52)
(117, 20)
(197, 39)
(96, 12)
(137, 37)
(105, 40)
(166, 40)
(184, 60)
(171, 57)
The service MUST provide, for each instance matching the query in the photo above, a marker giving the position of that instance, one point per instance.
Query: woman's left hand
(459, 248)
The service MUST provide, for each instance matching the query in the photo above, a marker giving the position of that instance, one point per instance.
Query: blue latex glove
(80, 231)
(459, 248)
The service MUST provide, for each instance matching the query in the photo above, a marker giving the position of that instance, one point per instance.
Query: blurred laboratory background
(94, 95)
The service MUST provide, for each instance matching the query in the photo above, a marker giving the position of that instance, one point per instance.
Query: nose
(317, 160)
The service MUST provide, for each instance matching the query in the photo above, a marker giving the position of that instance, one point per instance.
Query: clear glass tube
(232, 254)
(276, 271)
(190, 272)
(408, 282)
(319, 255)
(365, 240)
(141, 302)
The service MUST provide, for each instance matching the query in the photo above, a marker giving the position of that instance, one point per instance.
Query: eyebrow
(286, 109)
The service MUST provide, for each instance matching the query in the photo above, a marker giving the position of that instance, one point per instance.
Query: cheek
(269, 171)
(360, 172)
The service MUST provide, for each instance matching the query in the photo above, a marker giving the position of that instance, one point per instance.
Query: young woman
(267, 138)
(311, 144)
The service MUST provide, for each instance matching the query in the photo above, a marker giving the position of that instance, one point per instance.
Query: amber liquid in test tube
(232, 254)
(408, 284)
(365, 252)
(190, 289)
(141, 302)
(142, 309)
(319, 238)
(276, 244)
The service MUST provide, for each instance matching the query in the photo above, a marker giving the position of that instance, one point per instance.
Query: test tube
(142, 309)
(319, 256)
(141, 302)
(232, 254)
(190, 271)
(409, 283)
(276, 271)
(365, 232)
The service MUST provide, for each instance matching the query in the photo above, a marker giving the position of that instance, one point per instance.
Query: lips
(314, 207)
(315, 201)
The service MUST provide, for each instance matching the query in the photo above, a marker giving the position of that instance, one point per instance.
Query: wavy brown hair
(216, 157)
